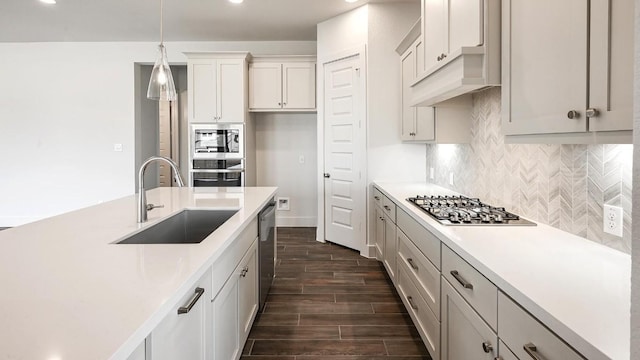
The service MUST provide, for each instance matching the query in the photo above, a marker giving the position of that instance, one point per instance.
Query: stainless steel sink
(185, 227)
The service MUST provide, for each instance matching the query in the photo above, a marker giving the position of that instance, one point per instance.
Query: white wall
(281, 139)
(63, 106)
(635, 238)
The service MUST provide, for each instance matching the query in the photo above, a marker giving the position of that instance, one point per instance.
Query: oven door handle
(219, 171)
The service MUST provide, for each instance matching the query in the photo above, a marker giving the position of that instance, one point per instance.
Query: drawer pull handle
(377, 197)
(244, 271)
(194, 300)
(487, 347)
(410, 300)
(413, 265)
(465, 284)
(532, 351)
(386, 207)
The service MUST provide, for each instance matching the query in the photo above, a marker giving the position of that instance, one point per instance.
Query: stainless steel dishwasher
(267, 249)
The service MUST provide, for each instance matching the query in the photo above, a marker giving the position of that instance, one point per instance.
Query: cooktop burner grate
(461, 210)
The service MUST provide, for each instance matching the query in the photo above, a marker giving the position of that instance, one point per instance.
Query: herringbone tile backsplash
(564, 186)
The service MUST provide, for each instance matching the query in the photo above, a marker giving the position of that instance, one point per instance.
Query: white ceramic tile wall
(564, 186)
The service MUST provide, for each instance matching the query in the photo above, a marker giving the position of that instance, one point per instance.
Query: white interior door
(344, 114)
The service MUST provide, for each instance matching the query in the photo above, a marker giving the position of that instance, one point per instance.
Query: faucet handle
(151, 207)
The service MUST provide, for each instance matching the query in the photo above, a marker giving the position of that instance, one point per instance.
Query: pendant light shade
(161, 86)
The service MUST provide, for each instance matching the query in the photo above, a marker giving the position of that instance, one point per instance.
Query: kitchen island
(70, 292)
(577, 288)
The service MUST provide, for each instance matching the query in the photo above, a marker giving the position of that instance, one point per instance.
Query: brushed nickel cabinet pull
(532, 351)
(592, 112)
(487, 347)
(244, 271)
(386, 207)
(410, 300)
(572, 114)
(196, 296)
(377, 197)
(465, 284)
(413, 265)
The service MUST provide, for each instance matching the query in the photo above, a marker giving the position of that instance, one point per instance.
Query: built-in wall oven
(217, 155)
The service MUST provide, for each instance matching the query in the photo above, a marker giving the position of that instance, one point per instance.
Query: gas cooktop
(461, 210)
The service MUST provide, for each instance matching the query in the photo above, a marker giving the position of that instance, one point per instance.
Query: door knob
(327, 175)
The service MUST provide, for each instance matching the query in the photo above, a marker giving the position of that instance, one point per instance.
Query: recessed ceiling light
(50, 2)
(236, 1)
(350, 1)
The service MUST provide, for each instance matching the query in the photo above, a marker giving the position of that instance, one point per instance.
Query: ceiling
(184, 20)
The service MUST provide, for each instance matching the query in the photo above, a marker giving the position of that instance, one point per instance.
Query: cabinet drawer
(377, 197)
(527, 337)
(426, 322)
(481, 293)
(424, 240)
(389, 208)
(421, 270)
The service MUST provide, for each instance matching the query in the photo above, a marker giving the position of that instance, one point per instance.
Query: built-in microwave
(217, 141)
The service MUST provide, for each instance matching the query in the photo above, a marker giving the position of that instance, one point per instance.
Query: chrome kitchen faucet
(143, 207)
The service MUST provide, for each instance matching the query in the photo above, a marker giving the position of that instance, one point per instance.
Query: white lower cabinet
(182, 333)
(527, 337)
(234, 308)
(465, 335)
(504, 353)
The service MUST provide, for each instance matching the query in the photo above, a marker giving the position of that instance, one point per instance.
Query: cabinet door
(611, 65)
(299, 89)
(546, 67)
(464, 334)
(182, 336)
(435, 30)
(248, 291)
(231, 90)
(505, 353)
(390, 248)
(465, 23)
(407, 66)
(380, 233)
(203, 91)
(265, 86)
(226, 332)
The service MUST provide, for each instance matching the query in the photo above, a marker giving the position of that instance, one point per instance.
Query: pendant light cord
(161, 12)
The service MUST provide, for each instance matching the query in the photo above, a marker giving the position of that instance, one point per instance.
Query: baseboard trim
(369, 251)
(296, 221)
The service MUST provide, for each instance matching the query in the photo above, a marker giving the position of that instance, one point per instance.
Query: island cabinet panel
(182, 333)
(527, 337)
(464, 334)
(385, 233)
(248, 291)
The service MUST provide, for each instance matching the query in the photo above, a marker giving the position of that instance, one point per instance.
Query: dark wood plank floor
(328, 302)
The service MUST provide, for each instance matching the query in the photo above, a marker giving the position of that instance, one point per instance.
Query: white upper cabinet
(571, 79)
(450, 25)
(217, 87)
(282, 84)
(461, 49)
(449, 122)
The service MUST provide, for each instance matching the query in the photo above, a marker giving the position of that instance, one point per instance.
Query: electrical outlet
(117, 147)
(301, 159)
(432, 173)
(612, 220)
(450, 178)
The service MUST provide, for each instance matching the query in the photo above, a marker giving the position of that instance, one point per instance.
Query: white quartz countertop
(68, 292)
(578, 288)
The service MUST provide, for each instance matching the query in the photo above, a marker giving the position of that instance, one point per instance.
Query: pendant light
(161, 86)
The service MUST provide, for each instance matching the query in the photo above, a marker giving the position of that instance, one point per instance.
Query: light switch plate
(117, 147)
(432, 173)
(612, 220)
